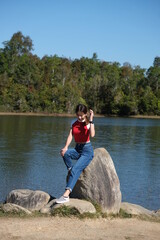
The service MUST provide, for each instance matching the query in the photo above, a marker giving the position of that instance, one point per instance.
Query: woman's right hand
(63, 150)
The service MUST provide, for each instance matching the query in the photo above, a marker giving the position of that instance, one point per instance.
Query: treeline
(56, 84)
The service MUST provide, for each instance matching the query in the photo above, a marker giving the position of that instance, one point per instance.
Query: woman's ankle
(66, 193)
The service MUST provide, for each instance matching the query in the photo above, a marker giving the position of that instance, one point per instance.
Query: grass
(148, 218)
(66, 211)
(19, 213)
(123, 214)
(12, 214)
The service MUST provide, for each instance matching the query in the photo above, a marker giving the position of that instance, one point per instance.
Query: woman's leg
(70, 154)
(75, 172)
(81, 164)
(85, 158)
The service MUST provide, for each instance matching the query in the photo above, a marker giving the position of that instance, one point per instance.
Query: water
(30, 145)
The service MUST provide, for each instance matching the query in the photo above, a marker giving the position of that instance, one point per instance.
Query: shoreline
(72, 115)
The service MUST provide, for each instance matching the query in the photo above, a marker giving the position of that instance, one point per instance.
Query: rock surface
(31, 200)
(135, 209)
(47, 208)
(81, 205)
(157, 213)
(13, 208)
(99, 182)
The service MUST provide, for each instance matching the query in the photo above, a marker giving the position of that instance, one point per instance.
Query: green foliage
(123, 214)
(56, 85)
(65, 211)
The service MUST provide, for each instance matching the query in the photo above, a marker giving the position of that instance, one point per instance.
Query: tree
(148, 103)
(18, 45)
(109, 87)
(153, 75)
(57, 84)
(156, 62)
(95, 57)
(27, 71)
(14, 97)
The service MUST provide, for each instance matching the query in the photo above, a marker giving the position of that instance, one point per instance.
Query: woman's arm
(69, 140)
(92, 129)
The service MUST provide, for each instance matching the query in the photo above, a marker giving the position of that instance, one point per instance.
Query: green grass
(123, 214)
(12, 214)
(66, 211)
(20, 214)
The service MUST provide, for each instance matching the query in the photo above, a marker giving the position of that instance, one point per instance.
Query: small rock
(81, 205)
(157, 213)
(47, 208)
(31, 200)
(12, 208)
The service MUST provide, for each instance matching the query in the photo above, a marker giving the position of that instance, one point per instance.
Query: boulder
(13, 208)
(81, 206)
(31, 200)
(99, 183)
(135, 209)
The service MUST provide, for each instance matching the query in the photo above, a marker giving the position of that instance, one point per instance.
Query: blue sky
(117, 30)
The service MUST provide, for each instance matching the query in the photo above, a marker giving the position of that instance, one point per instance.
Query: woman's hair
(82, 108)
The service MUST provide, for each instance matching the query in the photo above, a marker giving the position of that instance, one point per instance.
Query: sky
(116, 30)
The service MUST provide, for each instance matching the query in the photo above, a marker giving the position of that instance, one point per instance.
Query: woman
(82, 128)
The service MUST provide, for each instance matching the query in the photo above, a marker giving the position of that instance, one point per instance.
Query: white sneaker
(62, 199)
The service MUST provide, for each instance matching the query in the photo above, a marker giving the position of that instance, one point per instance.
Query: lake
(30, 146)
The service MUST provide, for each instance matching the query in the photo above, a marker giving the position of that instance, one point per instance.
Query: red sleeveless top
(81, 131)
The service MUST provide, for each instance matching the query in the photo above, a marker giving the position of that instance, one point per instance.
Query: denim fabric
(83, 153)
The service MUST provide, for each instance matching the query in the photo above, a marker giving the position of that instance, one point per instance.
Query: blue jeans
(83, 153)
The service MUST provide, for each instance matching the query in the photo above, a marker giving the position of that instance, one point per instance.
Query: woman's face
(81, 116)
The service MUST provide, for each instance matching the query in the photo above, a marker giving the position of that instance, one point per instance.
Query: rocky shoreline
(29, 202)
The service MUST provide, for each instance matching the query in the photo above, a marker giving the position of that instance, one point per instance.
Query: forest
(53, 84)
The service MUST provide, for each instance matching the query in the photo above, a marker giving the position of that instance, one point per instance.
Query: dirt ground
(51, 228)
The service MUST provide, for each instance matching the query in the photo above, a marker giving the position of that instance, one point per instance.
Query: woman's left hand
(91, 115)
(63, 150)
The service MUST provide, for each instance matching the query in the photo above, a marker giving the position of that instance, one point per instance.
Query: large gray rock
(31, 200)
(99, 182)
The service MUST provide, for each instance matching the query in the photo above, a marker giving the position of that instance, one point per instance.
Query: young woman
(81, 129)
